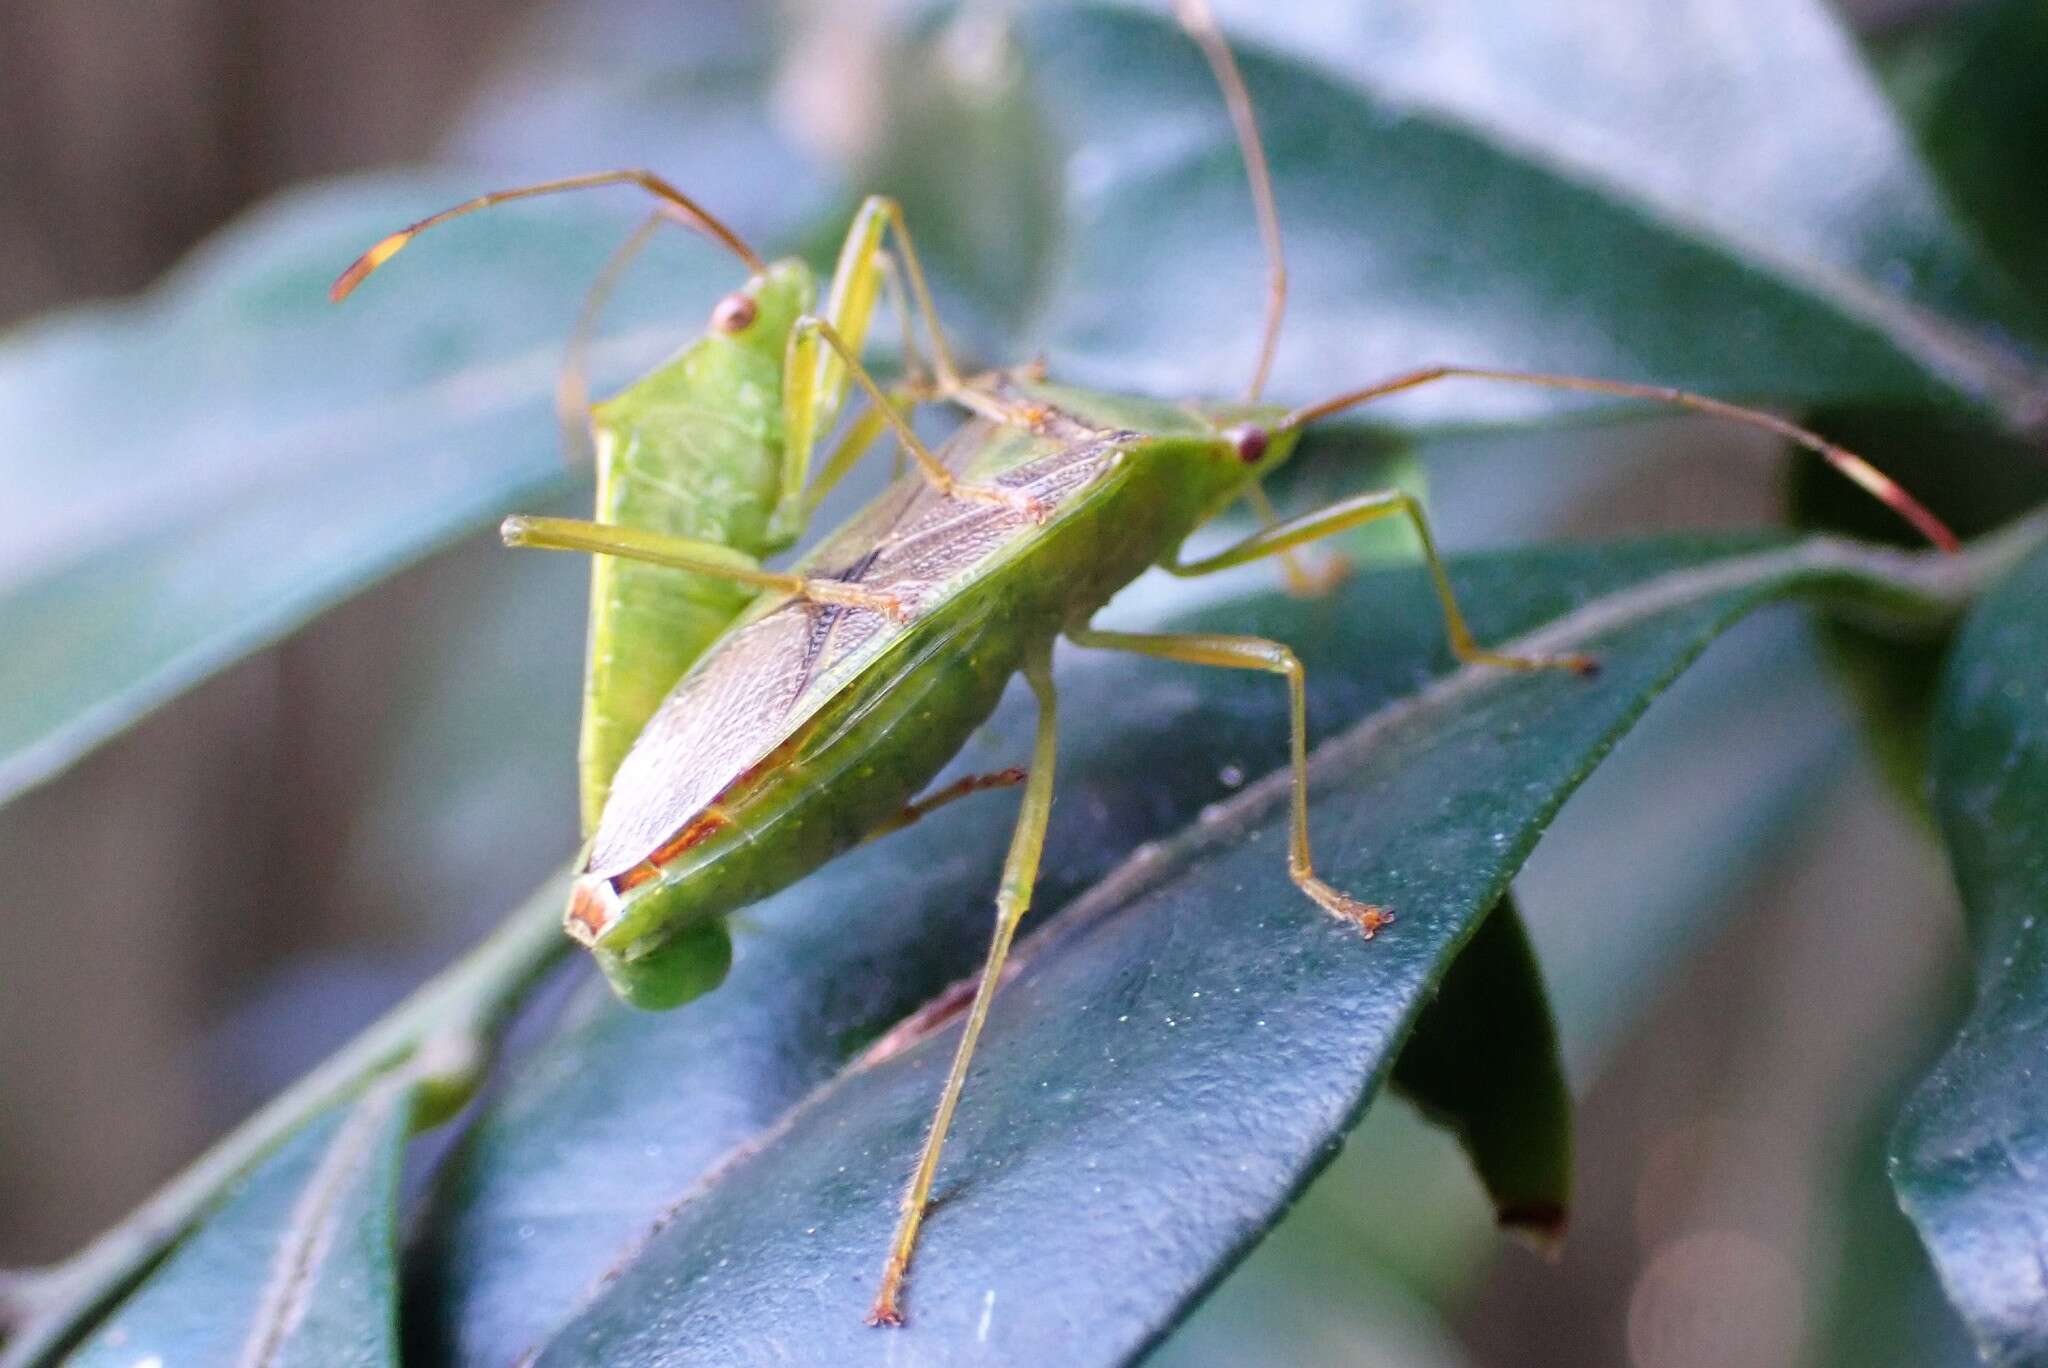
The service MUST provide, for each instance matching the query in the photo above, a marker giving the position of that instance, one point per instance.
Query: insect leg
(698, 557)
(861, 265)
(1256, 653)
(1013, 898)
(1365, 508)
(804, 341)
(815, 381)
(1874, 481)
(924, 807)
(1302, 582)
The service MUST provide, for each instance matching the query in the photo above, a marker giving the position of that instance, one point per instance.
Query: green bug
(710, 453)
(815, 719)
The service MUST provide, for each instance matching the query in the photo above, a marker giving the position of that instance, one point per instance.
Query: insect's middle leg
(1257, 653)
(1013, 899)
(1356, 511)
(1302, 582)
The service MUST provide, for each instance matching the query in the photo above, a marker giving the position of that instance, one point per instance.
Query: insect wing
(788, 657)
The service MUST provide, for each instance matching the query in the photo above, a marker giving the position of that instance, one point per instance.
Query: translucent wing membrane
(789, 657)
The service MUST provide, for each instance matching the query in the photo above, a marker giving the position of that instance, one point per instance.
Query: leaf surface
(634, 1153)
(1973, 1141)
(1418, 235)
(297, 1268)
(192, 474)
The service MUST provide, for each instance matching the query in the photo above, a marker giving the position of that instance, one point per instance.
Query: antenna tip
(1893, 495)
(360, 268)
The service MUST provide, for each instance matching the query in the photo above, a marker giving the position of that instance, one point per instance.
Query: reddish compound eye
(1250, 441)
(735, 313)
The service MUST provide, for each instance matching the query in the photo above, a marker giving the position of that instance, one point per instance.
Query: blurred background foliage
(265, 849)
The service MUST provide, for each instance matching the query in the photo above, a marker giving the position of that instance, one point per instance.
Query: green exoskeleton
(710, 453)
(840, 691)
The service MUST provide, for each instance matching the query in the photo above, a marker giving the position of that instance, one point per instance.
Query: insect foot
(885, 1311)
(1366, 917)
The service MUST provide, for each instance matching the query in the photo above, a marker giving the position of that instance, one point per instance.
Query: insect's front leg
(1302, 582)
(697, 557)
(805, 341)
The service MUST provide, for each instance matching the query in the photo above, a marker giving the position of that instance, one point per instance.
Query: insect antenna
(572, 384)
(685, 208)
(1200, 23)
(1879, 485)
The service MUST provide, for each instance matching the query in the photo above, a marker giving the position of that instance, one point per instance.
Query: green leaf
(1983, 120)
(428, 1051)
(1415, 236)
(193, 474)
(1185, 1044)
(673, 1142)
(1976, 478)
(1482, 1060)
(298, 1266)
(1970, 1148)
(1755, 121)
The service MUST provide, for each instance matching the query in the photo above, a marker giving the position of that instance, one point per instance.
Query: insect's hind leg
(1257, 653)
(1013, 899)
(697, 557)
(963, 787)
(1353, 512)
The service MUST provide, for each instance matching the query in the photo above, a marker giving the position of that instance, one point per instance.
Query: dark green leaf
(421, 1060)
(1482, 1060)
(1972, 1144)
(609, 1132)
(298, 1266)
(1186, 1043)
(193, 474)
(1976, 478)
(1416, 236)
(1884, 1305)
(513, 1251)
(1984, 122)
(1755, 120)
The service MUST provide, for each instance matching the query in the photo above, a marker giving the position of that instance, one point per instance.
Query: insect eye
(1250, 442)
(735, 313)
